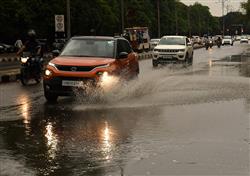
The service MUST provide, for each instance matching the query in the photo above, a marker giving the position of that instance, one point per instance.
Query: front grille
(168, 50)
(76, 68)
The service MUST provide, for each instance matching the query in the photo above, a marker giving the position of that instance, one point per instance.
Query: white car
(153, 43)
(227, 40)
(244, 39)
(173, 49)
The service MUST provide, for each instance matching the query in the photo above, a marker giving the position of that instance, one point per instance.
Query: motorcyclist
(31, 45)
(219, 41)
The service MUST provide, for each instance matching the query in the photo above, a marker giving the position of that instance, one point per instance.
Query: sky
(216, 6)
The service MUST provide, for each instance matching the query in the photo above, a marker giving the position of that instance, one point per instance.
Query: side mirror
(55, 53)
(123, 55)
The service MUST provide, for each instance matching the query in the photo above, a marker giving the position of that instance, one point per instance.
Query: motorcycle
(209, 44)
(31, 68)
(219, 43)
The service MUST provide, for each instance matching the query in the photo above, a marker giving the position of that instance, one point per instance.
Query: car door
(125, 64)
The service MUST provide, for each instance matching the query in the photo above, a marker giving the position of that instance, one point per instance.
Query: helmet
(32, 33)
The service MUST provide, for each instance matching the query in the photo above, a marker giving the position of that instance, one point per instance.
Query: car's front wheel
(191, 59)
(155, 63)
(50, 97)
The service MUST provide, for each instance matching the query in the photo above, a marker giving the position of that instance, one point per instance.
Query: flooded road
(174, 120)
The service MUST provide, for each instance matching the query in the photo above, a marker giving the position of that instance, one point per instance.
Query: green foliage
(103, 17)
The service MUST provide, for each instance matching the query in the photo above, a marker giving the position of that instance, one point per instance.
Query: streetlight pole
(68, 20)
(223, 18)
(189, 25)
(158, 18)
(122, 14)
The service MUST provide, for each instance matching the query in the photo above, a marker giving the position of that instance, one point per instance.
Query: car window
(89, 48)
(172, 41)
(123, 46)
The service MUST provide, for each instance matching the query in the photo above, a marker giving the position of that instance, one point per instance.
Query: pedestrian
(18, 44)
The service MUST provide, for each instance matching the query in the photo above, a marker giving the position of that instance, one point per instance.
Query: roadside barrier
(16, 75)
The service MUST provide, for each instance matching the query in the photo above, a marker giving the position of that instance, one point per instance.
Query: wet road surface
(173, 120)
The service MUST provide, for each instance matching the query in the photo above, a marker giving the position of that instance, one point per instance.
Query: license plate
(72, 83)
(167, 57)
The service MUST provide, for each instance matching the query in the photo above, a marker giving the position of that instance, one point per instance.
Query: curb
(9, 59)
(16, 59)
(9, 78)
(15, 76)
(145, 56)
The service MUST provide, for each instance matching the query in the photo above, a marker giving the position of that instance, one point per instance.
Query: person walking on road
(18, 44)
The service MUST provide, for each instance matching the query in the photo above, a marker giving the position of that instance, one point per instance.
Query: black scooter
(31, 68)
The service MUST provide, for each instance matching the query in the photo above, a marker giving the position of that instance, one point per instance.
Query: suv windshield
(227, 37)
(89, 48)
(172, 41)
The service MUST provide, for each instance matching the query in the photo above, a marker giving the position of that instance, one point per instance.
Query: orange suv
(85, 62)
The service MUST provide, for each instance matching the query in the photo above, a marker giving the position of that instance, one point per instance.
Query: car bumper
(169, 58)
(55, 85)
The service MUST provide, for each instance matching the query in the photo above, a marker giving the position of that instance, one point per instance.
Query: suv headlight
(48, 73)
(182, 50)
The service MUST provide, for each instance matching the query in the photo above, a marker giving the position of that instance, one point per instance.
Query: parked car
(8, 48)
(173, 49)
(89, 62)
(244, 39)
(227, 40)
(153, 43)
(2, 50)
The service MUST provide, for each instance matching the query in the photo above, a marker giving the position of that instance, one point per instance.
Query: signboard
(59, 23)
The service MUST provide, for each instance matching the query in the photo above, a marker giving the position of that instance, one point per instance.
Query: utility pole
(68, 20)
(189, 25)
(158, 18)
(223, 16)
(122, 14)
(176, 19)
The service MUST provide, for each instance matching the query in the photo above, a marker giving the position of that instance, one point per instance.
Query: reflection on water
(24, 111)
(52, 140)
(107, 141)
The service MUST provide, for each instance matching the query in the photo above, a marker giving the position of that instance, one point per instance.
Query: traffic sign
(59, 23)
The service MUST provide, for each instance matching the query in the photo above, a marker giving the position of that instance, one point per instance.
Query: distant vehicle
(209, 43)
(59, 44)
(196, 40)
(227, 40)
(153, 43)
(173, 49)
(138, 38)
(89, 63)
(8, 48)
(237, 38)
(244, 39)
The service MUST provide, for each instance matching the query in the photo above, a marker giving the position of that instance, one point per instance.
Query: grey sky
(215, 5)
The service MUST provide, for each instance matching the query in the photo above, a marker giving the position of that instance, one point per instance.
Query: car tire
(50, 97)
(155, 64)
(186, 60)
(191, 59)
